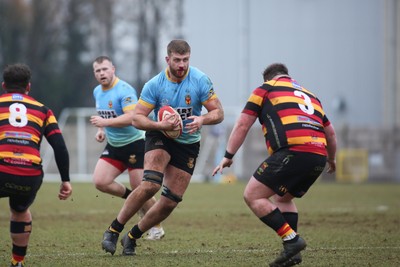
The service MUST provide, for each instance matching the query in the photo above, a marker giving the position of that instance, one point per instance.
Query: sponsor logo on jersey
(18, 135)
(211, 92)
(17, 97)
(296, 85)
(18, 161)
(306, 119)
(128, 100)
(107, 114)
(185, 112)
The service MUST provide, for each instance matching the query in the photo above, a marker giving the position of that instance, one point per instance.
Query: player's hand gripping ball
(165, 111)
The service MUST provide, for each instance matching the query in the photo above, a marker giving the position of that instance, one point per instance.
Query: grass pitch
(344, 225)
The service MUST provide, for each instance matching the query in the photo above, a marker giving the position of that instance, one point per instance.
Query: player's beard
(179, 73)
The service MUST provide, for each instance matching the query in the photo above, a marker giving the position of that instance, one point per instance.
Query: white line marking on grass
(352, 248)
(209, 251)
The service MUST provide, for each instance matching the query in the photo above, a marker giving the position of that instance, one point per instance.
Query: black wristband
(228, 155)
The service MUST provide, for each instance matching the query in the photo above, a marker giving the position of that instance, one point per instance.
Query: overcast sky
(334, 48)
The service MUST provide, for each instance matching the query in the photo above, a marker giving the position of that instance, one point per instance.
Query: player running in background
(168, 163)
(300, 140)
(23, 123)
(115, 100)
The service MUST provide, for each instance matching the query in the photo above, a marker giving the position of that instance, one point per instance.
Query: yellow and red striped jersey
(23, 123)
(291, 116)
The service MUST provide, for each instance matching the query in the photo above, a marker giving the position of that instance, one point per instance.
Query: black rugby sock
(292, 218)
(117, 226)
(127, 192)
(135, 232)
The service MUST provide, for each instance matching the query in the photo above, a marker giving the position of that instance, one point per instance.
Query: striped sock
(286, 232)
(277, 222)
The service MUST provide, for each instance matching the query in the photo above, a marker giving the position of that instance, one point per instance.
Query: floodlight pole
(244, 57)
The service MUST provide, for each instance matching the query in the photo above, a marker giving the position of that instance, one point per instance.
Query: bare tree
(60, 39)
(101, 25)
(142, 34)
(13, 28)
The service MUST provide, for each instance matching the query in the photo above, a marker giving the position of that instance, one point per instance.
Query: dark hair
(100, 59)
(16, 77)
(178, 46)
(274, 69)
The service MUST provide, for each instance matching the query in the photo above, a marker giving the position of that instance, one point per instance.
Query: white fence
(363, 154)
(84, 150)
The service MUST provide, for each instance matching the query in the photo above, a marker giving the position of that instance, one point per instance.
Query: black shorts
(183, 156)
(289, 171)
(128, 156)
(21, 190)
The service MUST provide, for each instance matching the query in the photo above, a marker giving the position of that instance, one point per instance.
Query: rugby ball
(165, 111)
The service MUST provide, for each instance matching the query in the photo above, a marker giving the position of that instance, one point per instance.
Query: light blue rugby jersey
(187, 97)
(111, 103)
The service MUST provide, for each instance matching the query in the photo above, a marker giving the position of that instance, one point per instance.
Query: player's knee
(101, 186)
(20, 227)
(247, 198)
(103, 183)
(166, 192)
(285, 199)
(98, 182)
(149, 189)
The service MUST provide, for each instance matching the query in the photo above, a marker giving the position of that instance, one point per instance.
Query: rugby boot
(290, 249)
(128, 245)
(110, 239)
(296, 259)
(155, 233)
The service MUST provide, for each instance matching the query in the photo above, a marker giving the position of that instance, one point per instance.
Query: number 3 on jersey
(18, 116)
(308, 107)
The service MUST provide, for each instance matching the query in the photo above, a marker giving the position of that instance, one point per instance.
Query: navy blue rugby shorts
(183, 156)
(130, 156)
(21, 190)
(291, 172)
